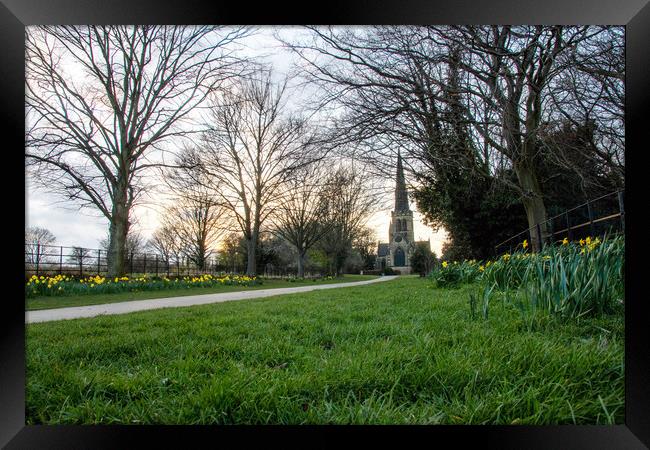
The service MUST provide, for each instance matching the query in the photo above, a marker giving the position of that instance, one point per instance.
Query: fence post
(61, 261)
(540, 241)
(621, 209)
(591, 219)
(168, 267)
(156, 264)
(99, 261)
(81, 265)
(38, 255)
(550, 227)
(568, 225)
(131, 263)
(144, 267)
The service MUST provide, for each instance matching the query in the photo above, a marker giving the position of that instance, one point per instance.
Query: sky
(86, 228)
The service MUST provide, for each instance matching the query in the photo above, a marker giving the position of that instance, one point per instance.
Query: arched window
(399, 258)
(398, 225)
(403, 224)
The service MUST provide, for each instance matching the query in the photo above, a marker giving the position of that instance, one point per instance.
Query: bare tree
(79, 256)
(198, 225)
(103, 100)
(196, 216)
(252, 148)
(232, 251)
(348, 204)
(396, 88)
(588, 96)
(165, 242)
(36, 241)
(300, 217)
(366, 244)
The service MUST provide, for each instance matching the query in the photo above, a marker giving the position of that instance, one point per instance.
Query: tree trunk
(251, 246)
(533, 203)
(118, 231)
(201, 257)
(301, 264)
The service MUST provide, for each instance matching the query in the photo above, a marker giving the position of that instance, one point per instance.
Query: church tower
(401, 237)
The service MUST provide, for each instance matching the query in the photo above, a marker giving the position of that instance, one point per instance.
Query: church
(397, 252)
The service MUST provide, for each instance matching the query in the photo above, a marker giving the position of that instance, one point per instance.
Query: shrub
(422, 260)
(373, 272)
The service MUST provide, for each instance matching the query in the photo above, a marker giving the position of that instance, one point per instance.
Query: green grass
(47, 302)
(393, 352)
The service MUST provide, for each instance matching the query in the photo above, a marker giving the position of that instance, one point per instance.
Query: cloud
(71, 228)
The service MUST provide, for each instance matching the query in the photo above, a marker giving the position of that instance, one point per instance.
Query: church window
(399, 259)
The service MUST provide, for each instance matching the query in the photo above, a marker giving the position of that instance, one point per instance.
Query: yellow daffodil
(525, 244)
(565, 241)
(444, 264)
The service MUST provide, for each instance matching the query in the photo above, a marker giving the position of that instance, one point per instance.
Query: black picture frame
(634, 14)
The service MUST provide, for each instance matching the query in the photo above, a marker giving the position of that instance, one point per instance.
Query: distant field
(46, 302)
(393, 352)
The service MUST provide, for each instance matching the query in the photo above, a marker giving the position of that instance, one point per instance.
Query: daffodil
(444, 264)
(525, 244)
(565, 241)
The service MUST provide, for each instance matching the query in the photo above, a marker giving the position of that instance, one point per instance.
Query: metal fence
(53, 260)
(596, 217)
(50, 259)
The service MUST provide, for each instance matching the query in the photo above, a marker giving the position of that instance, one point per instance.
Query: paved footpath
(76, 312)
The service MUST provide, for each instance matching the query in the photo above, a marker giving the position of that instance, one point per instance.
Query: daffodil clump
(572, 279)
(451, 274)
(61, 285)
(509, 270)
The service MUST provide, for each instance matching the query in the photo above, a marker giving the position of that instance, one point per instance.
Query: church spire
(401, 198)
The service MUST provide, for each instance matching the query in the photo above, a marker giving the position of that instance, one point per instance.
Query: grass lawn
(45, 302)
(394, 352)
